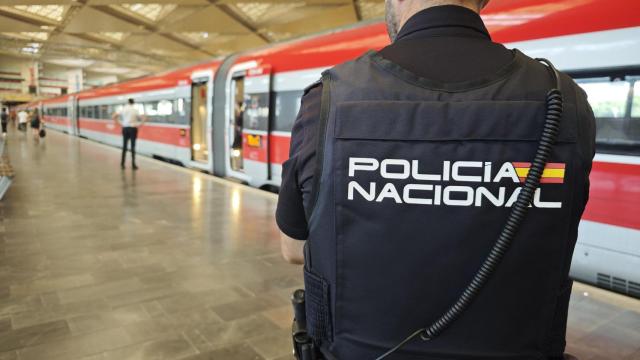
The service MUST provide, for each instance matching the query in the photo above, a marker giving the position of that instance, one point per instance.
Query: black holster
(304, 347)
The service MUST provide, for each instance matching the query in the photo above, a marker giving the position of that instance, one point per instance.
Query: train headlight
(235, 153)
(196, 147)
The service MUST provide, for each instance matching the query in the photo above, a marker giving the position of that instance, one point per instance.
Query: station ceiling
(128, 38)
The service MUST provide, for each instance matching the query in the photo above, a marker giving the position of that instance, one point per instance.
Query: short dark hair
(130, 101)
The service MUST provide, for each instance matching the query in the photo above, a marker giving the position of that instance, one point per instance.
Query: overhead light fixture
(78, 63)
(30, 50)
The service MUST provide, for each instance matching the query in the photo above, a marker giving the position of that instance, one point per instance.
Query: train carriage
(58, 114)
(233, 117)
(176, 104)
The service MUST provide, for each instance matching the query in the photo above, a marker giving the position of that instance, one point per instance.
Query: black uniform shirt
(446, 43)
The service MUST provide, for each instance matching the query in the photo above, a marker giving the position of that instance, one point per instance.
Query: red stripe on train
(257, 150)
(279, 150)
(614, 198)
(176, 136)
(58, 120)
(521, 20)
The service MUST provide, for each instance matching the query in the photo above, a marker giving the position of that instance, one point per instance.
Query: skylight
(32, 48)
(51, 12)
(260, 12)
(153, 12)
(370, 9)
(113, 36)
(41, 36)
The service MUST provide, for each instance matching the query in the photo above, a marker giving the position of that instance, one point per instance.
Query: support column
(76, 80)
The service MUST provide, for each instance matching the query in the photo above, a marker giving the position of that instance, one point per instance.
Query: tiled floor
(166, 263)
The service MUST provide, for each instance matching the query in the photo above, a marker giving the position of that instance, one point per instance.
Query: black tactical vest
(414, 183)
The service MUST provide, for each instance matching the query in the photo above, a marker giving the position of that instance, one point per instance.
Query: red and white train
(233, 117)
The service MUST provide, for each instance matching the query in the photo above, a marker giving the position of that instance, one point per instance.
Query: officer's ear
(483, 4)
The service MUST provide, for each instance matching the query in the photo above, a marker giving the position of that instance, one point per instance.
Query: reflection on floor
(165, 263)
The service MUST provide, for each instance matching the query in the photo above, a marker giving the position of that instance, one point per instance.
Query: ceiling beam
(240, 20)
(147, 26)
(356, 10)
(27, 19)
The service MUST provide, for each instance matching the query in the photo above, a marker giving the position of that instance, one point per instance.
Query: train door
(248, 124)
(72, 116)
(201, 115)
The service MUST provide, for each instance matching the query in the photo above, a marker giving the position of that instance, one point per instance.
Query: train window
(150, 109)
(90, 112)
(616, 128)
(140, 108)
(286, 109)
(104, 112)
(160, 111)
(608, 99)
(635, 103)
(165, 108)
(182, 111)
(256, 111)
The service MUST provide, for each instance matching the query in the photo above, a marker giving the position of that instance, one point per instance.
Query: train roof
(163, 80)
(508, 21)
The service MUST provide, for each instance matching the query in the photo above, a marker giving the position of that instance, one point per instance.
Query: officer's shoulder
(569, 87)
(333, 71)
(346, 67)
(316, 84)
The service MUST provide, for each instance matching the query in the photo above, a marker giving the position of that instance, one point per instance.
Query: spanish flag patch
(553, 173)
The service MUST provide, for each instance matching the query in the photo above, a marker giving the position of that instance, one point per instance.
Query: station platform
(168, 263)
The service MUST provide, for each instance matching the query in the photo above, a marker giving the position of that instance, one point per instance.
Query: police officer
(404, 167)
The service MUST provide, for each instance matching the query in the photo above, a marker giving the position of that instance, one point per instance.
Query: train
(232, 116)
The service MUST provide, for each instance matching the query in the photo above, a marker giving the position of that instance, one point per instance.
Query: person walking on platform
(5, 120)
(36, 123)
(130, 120)
(12, 117)
(433, 193)
(23, 118)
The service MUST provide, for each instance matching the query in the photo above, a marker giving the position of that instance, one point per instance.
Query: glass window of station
(616, 105)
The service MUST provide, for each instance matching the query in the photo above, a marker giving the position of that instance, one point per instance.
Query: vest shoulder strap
(325, 106)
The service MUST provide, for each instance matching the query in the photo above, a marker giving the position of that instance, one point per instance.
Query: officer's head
(399, 11)
(131, 101)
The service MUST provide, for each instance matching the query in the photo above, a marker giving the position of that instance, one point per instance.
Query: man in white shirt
(23, 117)
(130, 120)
